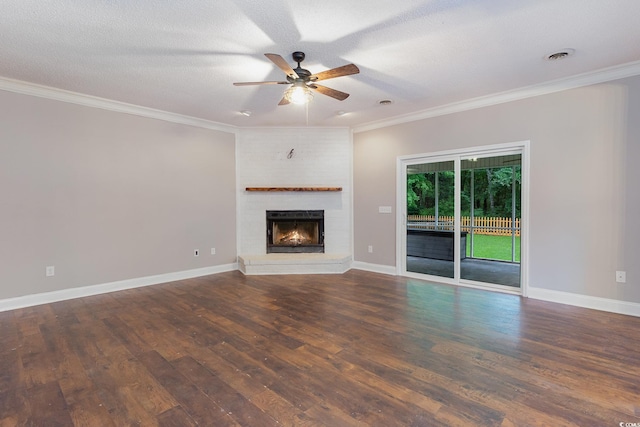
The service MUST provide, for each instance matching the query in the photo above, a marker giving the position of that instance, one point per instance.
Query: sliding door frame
(456, 156)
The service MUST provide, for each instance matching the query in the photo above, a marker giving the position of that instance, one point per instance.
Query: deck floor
(478, 270)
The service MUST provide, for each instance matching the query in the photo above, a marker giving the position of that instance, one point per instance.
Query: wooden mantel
(293, 189)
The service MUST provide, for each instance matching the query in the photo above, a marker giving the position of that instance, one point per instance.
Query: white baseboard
(374, 268)
(586, 301)
(85, 291)
(578, 300)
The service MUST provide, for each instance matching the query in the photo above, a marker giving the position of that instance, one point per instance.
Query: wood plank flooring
(357, 349)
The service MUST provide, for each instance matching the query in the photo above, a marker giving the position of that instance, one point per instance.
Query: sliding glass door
(463, 217)
(490, 218)
(430, 222)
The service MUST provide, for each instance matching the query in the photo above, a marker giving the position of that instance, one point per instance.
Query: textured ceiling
(182, 56)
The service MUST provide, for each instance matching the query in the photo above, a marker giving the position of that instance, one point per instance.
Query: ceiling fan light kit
(303, 82)
(298, 94)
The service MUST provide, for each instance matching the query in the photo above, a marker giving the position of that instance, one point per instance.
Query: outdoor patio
(479, 270)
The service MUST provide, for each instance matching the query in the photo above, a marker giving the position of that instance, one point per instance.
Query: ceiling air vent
(560, 55)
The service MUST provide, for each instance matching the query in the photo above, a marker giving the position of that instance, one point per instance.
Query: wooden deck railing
(494, 226)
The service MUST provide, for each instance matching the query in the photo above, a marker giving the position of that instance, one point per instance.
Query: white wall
(105, 196)
(584, 198)
(321, 158)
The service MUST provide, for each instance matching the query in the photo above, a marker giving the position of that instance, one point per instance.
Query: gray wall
(584, 198)
(105, 196)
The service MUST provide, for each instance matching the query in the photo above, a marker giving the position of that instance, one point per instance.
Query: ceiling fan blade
(260, 83)
(345, 70)
(336, 94)
(283, 101)
(282, 64)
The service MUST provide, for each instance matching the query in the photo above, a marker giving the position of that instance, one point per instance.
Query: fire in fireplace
(295, 231)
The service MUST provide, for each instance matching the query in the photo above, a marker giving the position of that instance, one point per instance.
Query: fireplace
(295, 231)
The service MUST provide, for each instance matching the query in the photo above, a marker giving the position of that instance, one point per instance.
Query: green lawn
(492, 247)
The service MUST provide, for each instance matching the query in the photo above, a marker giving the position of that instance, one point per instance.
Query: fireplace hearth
(300, 231)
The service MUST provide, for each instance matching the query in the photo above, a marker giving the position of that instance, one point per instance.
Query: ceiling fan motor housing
(303, 75)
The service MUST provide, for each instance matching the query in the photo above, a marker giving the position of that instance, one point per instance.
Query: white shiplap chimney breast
(294, 157)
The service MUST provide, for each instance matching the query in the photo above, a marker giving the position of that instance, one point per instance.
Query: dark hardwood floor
(358, 349)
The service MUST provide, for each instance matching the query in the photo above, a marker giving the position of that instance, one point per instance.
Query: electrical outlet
(370, 249)
(196, 252)
(50, 271)
(213, 251)
(621, 276)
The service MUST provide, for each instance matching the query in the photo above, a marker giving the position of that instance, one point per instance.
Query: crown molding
(594, 77)
(32, 89)
(580, 80)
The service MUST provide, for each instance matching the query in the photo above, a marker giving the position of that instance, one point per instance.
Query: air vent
(560, 54)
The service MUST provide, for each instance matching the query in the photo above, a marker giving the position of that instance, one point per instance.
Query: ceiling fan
(302, 81)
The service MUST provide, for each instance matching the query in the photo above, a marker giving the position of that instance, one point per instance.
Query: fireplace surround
(318, 176)
(295, 231)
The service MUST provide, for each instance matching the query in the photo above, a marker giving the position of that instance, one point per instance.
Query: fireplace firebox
(295, 231)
